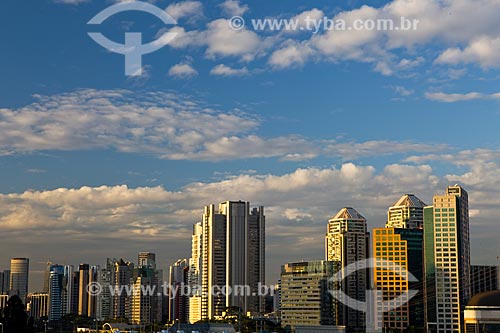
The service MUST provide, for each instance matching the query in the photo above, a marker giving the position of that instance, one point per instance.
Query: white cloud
(182, 71)
(439, 23)
(298, 205)
(451, 98)
(402, 91)
(166, 125)
(234, 8)
(184, 9)
(224, 70)
(291, 54)
(483, 51)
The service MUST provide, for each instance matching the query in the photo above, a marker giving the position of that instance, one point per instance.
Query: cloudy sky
(97, 164)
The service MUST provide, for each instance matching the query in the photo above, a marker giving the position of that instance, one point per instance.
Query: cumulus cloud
(298, 205)
(183, 9)
(234, 8)
(182, 71)
(223, 70)
(482, 51)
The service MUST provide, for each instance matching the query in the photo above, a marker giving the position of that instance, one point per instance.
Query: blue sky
(95, 163)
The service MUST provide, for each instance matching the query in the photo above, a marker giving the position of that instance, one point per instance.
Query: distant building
(482, 314)
(87, 301)
(347, 242)
(179, 301)
(195, 266)
(484, 278)
(3, 301)
(305, 293)
(71, 290)
(145, 303)
(38, 305)
(123, 275)
(146, 259)
(56, 292)
(4, 282)
(104, 301)
(19, 275)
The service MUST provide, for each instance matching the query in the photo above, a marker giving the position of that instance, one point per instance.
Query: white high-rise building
(347, 243)
(19, 272)
(194, 276)
(233, 249)
(451, 259)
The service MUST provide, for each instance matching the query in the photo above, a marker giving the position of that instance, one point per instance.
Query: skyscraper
(403, 247)
(19, 272)
(451, 258)
(146, 259)
(232, 254)
(484, 278)
(407, 212)
(38, 305)
(71, 288)
(179, 301)
(4, 282)
(347, 243)
(104, 301)
(195, 264)
(56, 294)
(305, 293)
(83, 295)
(123, 275)
(145, 303)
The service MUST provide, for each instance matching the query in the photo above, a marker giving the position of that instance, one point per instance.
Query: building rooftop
(348, 213)
(489, 298)
(409, 200)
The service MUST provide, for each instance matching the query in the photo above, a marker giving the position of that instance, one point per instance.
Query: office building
(482, 314)
(146, 259)
(4, 282)
(86, 301)
(38, 305)
(71, 285)
(19, 273)
(195, 273)
(484, 278)
(403, 248)
(305, 293)
(3, 301)
(233, 248)
(145, 303)
(347, 242)
(123, 275)
(104, 301)
(56, 292)
(179, 300)
(406, 213)
(447, 260)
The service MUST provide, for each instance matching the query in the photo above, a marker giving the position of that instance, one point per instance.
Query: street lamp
(1, 324)
(45, 325)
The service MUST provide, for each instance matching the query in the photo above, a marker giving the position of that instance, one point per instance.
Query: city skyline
(37, 278)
